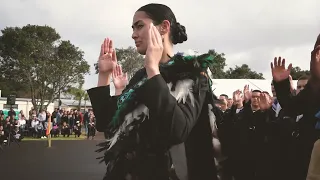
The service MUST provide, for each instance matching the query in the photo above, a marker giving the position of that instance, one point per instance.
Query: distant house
(23, 104)
(69, 104)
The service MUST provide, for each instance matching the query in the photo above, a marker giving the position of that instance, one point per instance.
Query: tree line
(36, 63)
(131, 61)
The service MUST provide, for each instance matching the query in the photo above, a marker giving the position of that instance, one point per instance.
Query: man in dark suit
(306, 103)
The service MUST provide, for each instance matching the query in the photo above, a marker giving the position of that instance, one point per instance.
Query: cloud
(247, 31)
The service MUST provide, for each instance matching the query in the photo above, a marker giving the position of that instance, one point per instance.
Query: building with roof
(69, 104)
(23, 104)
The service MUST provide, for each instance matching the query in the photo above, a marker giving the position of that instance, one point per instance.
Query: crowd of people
(264, 143)
(64, 123)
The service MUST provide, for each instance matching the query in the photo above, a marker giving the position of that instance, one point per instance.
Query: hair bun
(179, 35)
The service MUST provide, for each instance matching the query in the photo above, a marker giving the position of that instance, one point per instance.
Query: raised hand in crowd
(291, 84)
(247, 93)
(107, 62)
(279, 70)
(265, 101)
(154, 52)
(120, 79)
(238, 98)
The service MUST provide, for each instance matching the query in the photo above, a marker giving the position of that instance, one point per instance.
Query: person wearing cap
(306, 103)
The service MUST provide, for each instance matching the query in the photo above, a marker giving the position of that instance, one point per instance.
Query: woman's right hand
(120, 79)
(279, 71)
(107, 59)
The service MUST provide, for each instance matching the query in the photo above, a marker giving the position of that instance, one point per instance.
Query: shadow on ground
(65, 160)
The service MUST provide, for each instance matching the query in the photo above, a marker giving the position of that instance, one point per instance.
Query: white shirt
(34, 123)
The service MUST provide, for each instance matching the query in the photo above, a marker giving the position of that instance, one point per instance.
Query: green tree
(219, 64)
(130, 60)
(34, 56)
(78, 94)
(296, 73)
(243, 72)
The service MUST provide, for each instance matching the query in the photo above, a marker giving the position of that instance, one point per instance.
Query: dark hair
(226, 96)
(256, 91)
(304, 77)
(158, 13)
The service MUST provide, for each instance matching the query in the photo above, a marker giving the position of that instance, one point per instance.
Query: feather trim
(215, 139)
(140, 112)
(183, 90)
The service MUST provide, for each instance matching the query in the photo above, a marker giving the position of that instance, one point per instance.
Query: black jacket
(177, 134)
(306, 103)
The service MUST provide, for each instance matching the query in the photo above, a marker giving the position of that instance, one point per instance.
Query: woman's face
(140, 26)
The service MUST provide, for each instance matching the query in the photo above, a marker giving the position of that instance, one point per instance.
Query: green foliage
(242, 72)
(296, 73)
(34, 58)
(79, 94)
(219, 64)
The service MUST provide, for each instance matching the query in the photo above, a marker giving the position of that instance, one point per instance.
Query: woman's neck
(167, 51)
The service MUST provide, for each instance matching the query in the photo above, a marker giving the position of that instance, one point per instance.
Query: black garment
(174, 132)
(10, 113)
(77, 130)
(249, 154)
(65, 131)
(86, 117)
(91, 130)
(65, 119)
(307, 103)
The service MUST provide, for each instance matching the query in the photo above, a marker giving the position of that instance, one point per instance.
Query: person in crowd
(306, 102)
(40, 130)
(34, 124)
(55, 130)
(230, 102)
(2, 135)
(42, 117)
(86, 119)
(12, 113)
(77, 129)
(91, 129)
(65, 130)
(162, 116)
(224, 99)
(17, 134)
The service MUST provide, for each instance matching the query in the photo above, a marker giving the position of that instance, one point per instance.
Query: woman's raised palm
(107, 59)
(120, 79)
(278, 69)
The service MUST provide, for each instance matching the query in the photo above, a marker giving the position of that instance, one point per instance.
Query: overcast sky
(247, 31)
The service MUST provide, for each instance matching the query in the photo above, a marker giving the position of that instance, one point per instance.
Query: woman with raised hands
(158, 125)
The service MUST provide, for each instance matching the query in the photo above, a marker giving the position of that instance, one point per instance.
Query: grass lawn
(82, 137)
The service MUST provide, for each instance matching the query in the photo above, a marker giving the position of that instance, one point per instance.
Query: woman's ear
(164, 27)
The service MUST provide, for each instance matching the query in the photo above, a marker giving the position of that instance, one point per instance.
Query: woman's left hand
(154, 51)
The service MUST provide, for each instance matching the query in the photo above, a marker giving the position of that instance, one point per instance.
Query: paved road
(65, 160)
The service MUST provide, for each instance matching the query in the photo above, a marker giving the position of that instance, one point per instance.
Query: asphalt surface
(65, 160)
